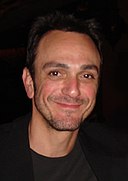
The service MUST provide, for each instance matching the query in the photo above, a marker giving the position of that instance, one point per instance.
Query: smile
(68, 105)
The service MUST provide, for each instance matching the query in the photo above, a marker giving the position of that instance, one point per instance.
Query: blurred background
(16, 17)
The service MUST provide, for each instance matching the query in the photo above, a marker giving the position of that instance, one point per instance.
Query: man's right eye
(54, 73)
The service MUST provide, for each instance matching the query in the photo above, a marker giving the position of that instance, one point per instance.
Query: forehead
(70, 47)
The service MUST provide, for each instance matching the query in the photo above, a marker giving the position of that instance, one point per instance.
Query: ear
(28, 83)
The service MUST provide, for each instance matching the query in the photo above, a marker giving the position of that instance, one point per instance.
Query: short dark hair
(59, 21)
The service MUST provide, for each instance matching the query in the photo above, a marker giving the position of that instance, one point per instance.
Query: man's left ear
(28, 83)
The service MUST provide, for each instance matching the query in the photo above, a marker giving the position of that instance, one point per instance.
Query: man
(61, 78)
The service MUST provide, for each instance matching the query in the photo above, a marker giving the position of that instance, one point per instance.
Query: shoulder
(101, 137)
(8, 130)
(5, 131)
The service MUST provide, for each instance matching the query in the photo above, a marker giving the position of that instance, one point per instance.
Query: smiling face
(66, 79)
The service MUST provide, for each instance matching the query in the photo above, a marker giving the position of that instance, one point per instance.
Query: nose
(71, 87)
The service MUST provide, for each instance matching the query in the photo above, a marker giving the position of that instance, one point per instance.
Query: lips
(68, 105)
(67, 102)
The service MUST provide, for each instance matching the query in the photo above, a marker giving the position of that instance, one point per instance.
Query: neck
(49, 142)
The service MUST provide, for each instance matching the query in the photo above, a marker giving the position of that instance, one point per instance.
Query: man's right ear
(28, 83)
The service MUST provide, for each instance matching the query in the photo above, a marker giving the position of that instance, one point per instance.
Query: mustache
(66, 99)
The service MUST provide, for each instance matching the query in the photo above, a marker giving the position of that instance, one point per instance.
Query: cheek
(89, 91)
(48, 88)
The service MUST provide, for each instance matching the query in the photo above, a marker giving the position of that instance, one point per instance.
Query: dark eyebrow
(90, 67)
(55, 64)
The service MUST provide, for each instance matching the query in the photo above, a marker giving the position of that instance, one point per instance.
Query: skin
(63, 92)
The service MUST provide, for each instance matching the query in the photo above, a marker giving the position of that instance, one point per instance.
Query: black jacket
(105, 149)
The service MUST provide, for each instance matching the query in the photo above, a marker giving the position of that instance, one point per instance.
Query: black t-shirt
(73, 167)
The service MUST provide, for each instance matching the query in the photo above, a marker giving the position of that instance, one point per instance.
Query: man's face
(66, 79)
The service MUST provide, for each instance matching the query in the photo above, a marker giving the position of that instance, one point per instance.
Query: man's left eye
(88, 76)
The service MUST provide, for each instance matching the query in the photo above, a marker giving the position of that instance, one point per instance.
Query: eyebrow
(66, 66)
(55, 64)
(90, 67)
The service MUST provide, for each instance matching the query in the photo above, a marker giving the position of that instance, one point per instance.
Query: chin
(68, 123)
(65, 128)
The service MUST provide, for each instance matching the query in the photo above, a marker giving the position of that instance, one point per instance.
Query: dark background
(15, 20)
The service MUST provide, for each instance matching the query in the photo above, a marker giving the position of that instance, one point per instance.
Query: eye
(88, 76)
(54, 73)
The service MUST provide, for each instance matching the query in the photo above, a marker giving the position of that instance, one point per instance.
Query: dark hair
(59, 21)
